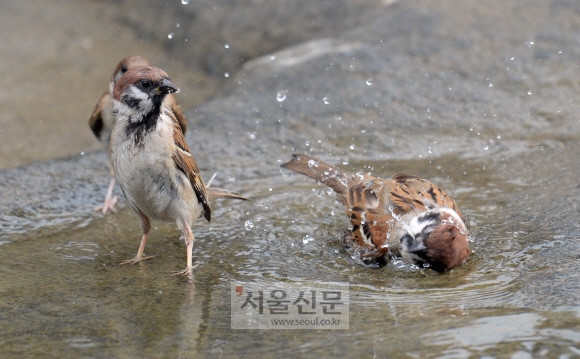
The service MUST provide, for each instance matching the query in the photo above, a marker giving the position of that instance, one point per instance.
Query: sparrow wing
(185, 162)
(171, 103)
(369, 214)
(96, 122)
(420, 193)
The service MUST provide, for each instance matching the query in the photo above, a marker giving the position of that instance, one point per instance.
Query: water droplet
(307, 238)
(227, 46)
(307, 143)
(486, 147)
(515, 234)
(177, 25)
(529, 92)
(185, 2)
(252, 136)
(369, 82)
(312, 163)
(82, 153)
(227, 74)
(249, 225)
(281, 96)
(258, 218)
(326, 100)
(232, 179)
(498, 137)
(490, 84)
(529, 44)
(170, 36)
(352, 147)
(272, 57)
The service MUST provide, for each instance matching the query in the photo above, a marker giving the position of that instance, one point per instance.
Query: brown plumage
(405, 216)
(102, 119)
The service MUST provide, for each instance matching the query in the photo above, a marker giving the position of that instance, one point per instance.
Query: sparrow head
(436, 239)
(142, 89)
(127, 64)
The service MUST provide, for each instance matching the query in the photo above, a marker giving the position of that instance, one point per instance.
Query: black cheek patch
(430, 216)
(133, 102)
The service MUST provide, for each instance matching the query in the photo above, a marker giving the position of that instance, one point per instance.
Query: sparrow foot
(135, 260)
(108, 205)
(188, 271)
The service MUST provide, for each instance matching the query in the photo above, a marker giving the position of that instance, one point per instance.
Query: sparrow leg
(188, 235)
(145, 228)
(110, 200)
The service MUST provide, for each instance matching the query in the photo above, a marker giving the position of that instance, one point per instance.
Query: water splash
(281, 96)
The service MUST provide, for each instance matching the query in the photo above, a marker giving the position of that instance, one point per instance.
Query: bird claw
(108, 205)
(185, 272)
(135, 260)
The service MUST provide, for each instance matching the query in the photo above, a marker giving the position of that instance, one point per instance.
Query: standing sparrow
(102, 120)
(405, 216)
(151, 160)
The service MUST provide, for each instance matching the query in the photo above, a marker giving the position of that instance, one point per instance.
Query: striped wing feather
(185, 162)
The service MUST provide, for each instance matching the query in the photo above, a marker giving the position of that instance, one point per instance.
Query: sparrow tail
(331, 176)
(213, 193)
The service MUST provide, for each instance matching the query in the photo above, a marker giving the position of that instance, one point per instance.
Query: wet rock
(219, 36)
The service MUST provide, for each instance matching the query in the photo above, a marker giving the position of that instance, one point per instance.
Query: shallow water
(64, 294)
(449, 102)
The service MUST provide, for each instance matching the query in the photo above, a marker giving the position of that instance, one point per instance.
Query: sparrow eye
(145, 84)
(123, 69)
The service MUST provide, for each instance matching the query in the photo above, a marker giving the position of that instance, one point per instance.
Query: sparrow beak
(166, 87)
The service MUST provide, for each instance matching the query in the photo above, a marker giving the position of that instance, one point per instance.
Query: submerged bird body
(102, 119)
(405, 216)
(152, 162)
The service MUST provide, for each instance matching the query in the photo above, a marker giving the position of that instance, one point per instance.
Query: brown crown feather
(153, 74)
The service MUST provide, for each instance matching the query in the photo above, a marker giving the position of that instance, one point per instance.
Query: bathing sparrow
(152, 162)
(102, 120)
(405, 216)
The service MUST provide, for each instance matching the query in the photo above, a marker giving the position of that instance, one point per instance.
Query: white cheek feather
(415, 227)
(134, 114)
(454, 219)
(145, 104)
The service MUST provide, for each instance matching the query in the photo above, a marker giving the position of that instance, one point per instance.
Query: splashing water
(281, 96)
